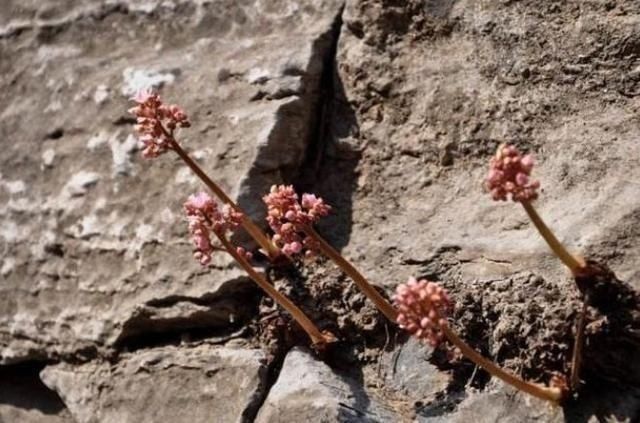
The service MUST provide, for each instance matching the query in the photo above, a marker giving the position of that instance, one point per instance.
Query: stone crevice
(314, 149)
(25, 397)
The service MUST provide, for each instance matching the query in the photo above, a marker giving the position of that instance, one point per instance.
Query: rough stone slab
(408, 371)
(173, 384)
(307, 390)
(91, 234)
(501, 405)
(10, 413)
(429, 91)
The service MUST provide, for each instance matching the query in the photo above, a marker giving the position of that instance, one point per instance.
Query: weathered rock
(24, 398)
(501, 405)
(428, 80)
(425, 92)
(94, 256)
(308, 390)
(408, 372)
(177, 384)
(91, 234)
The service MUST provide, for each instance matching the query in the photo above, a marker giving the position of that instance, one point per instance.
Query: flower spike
(422, 310)
(509, 176)
(151, 114)
(287, 217)
(156, 124)
(206, 218)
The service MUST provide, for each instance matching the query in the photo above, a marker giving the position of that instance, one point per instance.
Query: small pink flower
(286, 217)
(198, 202)
(156, 122)
(201, 241)
(509, 176)
(246, 254)
(230, 219)
(204, 217)
(422, 309)
(315, 206)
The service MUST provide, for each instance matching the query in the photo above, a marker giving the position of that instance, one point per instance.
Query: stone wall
(390, 111)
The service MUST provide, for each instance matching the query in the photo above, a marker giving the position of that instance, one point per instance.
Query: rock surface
(94, 249)
(24, 398)
(428, 89)
(501, 405)
(96, 274)
(408, 371)
(308, 390)
(177, 384)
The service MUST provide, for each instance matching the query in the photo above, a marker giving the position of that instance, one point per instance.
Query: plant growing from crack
(423, 308)
(156, 126)
(510, 176)
(206, 218)
(292, 223)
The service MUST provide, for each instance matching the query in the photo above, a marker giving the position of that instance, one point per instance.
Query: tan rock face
(503, 405)
(91, 234)
(390, 111)
(199, 384)
(24, 398)
(307, 390)
(430, 90)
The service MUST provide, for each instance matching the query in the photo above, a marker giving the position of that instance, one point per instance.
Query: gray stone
(449, 95)
(408, 371)
(307, 390)
(501, 404)
(91, 234)
(176, 384)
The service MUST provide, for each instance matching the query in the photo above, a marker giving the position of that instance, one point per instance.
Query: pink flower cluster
(156, 122)
(204, 216)
(509, 175)
(286, 217)
(422, 309)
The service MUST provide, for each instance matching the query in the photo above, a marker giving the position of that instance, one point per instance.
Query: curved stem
(248, 224)
(383, 305)
(573, 263)
(539, 391)
(318, 338)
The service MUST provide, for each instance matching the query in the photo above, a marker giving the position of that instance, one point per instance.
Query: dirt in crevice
(525, 323)
(334, 303)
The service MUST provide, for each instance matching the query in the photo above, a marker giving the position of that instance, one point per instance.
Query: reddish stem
(575, 264)
(383, 305)
(546, 393)
(318, 338)
(256, 233)
(576, 357)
